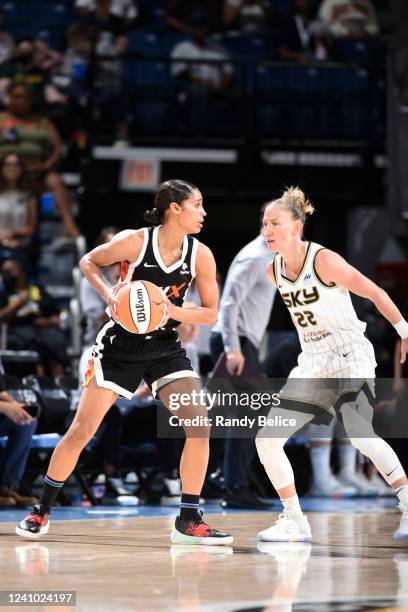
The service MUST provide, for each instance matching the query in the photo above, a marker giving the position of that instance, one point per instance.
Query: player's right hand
(235, 363)
(111, 299)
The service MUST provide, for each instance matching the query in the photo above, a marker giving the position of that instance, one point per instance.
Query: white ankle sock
(347, 458)
(292, 505)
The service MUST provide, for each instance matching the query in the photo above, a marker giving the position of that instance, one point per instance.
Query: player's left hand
(404, 349)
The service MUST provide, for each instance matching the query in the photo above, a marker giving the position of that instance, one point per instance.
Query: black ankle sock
(49, 493)
(189, 506)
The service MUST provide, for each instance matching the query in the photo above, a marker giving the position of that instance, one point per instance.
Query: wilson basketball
(140, 307)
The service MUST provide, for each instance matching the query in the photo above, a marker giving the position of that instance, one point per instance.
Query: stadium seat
(145, 43)
(244, 46)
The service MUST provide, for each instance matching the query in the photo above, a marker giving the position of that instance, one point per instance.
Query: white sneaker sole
(180, 538)
(32, 536)
(301, 538)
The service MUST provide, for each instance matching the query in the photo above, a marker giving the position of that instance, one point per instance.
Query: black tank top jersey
(174, 280)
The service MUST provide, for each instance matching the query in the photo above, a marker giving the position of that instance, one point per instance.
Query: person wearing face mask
(24, 68)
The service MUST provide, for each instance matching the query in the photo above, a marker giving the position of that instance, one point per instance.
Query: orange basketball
(140, 307)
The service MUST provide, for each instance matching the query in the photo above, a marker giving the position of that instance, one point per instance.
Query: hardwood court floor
(128, 564)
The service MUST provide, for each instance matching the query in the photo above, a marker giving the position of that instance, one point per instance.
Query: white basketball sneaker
(360, 482)
(331, 487)
(402, 531)
(289, 527)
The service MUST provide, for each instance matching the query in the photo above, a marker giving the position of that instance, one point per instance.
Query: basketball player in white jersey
(166, 254)
(314, 283)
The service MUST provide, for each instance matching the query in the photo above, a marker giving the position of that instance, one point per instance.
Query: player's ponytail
(152, 217)
(295, 200)
(174, 190)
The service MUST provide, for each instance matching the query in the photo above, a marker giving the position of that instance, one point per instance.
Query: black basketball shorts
(120, 360)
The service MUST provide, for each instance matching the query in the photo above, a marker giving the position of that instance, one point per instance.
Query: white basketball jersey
(323, 315)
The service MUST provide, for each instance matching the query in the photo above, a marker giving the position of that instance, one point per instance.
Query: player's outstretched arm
(207, 288)
(332, 268)
(124, 246)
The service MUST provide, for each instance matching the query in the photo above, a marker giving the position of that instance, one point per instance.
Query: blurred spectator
(32, 316)
(302, 37)
(127, 10)
(247, 15)
(103, 22)
(37, 141)
(18, 207)
(243, 315)
(22, 68)
(206, 81)
(109, 40)
(92, 305)
(44, 57)
(71, 76)
(351, 18)
(19, 427)
(6, 42)
(183, 15)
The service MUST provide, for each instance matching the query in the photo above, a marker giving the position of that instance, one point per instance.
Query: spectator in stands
(44, 57)
(92, 305)
(184, 15)
(127, 10)
(18, 207)
(103, 22)
(19, 427)
(32, 316)
(206, 81)
(75, 64)
(350, 18)
(23, 68)
(247, 15)
(109, 39)
(6, 42)
(37, 141)
(303, 39)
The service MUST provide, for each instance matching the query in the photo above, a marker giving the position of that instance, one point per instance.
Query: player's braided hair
(174, 190)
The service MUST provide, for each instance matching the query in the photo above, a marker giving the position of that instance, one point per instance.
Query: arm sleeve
(241, 279)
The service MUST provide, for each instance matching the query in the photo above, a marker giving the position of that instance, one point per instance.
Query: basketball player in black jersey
(168, 256)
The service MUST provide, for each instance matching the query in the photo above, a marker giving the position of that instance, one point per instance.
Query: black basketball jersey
(174, 280)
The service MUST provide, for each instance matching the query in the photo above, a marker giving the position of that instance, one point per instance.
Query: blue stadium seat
(244, 46)
(349, 50)
(49, 14)
(152, 11)
(14, 12)
(147, 74)
(144, 42)
(281, 7)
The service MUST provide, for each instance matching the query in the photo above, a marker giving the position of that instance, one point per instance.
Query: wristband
(402, 328)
